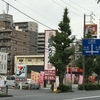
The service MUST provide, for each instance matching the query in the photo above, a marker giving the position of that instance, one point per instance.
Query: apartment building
(27, 26)
(40, 49)
(17, 39)
(14, 43)
(32, 28)
(6, 21)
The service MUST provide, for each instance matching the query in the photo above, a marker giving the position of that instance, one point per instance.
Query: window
(1, 66)
(4, 66)
(24, 50)
(15, 41)
(21, 60)
(42, 60)
(15, 49)
(5, 57)
(2, 56)
(10, 77)
(15, 34)
(24, 36)
(29, 60)
(24, 43)
(1, 16)
(9, 48)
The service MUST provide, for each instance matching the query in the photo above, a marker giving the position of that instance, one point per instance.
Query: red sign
(74, 69)
(49, 74)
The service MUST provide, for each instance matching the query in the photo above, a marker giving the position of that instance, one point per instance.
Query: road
(46, 94)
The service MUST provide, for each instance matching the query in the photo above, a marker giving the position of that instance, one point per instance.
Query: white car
(10, 81)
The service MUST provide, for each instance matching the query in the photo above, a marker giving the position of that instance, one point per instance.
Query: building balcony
(5, 44)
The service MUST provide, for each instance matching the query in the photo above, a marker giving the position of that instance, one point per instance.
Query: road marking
(82, 98)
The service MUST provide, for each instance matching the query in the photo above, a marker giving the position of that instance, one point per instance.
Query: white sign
(21, 70)
(49, 49)
(1, 83)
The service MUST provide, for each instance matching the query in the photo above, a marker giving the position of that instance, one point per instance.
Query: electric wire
(35, 11)
(27, 15)
(70, 10)
(73, 7)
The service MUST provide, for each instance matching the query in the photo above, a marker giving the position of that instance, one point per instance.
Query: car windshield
(10, 78)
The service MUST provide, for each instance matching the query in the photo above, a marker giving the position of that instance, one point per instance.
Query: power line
(63, 7)
(72, 7)
(27, 15)
(79, 6)
(34, 11)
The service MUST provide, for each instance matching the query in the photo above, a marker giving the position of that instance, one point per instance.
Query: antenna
(7, 7)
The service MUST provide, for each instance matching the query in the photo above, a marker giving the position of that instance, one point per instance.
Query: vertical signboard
(21, 72)
(91, 28)
(49, 51)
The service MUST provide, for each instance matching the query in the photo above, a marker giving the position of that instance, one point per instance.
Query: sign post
(91, 46)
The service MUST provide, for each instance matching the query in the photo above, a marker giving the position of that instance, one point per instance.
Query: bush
(64, 88)
(98, 86)
(89, 86)
(80, 87)
(52, 86)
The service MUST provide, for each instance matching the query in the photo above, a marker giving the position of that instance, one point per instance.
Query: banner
(34, 77)
(49, 49)
(80, 79)
(68, 78)
(41, 78)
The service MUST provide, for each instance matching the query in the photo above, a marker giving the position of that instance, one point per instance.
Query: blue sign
(91, 46)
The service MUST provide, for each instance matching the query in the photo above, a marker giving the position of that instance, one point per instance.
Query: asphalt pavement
(47, 94)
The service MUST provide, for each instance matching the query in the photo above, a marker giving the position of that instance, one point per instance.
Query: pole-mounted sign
(91, 46)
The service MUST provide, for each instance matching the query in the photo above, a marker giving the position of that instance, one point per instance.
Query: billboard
(21, 71)
(91, 28)
(49, 51)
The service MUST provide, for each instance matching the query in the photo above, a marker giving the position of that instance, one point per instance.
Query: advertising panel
(21, 71)
(37, 78)
(34, 77)
(49, 51)
(91, 28)
(80, 79)
(68, 78)
(49, 74)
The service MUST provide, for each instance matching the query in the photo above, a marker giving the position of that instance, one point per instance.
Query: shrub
(98, 86)
(64, 88)
(52, 86)
(89, 86)
(80, 87)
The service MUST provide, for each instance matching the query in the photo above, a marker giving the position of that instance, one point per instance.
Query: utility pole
(84, 56)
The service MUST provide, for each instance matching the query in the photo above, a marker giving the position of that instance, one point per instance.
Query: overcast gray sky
(49, 12)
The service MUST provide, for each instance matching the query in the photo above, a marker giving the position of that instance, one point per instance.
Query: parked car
(28, 85)
(10, 81)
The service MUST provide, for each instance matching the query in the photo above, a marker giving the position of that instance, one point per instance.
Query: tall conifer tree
(62, 43)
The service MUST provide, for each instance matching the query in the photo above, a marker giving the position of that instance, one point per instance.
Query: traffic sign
(91, 46)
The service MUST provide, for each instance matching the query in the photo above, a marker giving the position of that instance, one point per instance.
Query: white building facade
(3, 63)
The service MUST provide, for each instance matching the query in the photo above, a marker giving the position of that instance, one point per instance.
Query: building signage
(49, 74)
(49, 51)
(21, 71)
(91, 28)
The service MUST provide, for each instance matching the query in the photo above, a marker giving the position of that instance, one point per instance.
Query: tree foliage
(97, 67)
(98, 1)
(62, 43)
